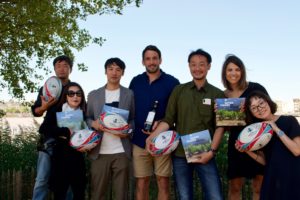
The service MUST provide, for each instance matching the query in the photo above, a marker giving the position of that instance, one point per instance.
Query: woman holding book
(240, 165)
(281, 156)
(68, 165)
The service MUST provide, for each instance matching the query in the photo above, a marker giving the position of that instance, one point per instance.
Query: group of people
(185, 108)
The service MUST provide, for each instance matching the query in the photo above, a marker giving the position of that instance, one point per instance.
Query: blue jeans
(207, 174)
(41, 186)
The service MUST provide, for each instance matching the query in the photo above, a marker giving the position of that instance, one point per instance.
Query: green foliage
(17, 152)
(35, 31)
(195, 149)
(221, 157)
(230, 115)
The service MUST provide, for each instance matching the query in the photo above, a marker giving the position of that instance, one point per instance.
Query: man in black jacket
(62, 67)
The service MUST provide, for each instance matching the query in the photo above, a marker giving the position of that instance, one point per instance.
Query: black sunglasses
(72, 93)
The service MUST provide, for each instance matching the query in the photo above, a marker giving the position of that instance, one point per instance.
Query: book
(195, 144)
(230, 112)
(115, 119)
(71, 119)
(110, 109)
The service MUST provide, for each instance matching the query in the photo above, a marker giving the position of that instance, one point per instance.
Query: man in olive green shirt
(191, 109)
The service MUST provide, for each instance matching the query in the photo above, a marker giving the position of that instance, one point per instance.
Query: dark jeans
(207, 174)
(41, 186)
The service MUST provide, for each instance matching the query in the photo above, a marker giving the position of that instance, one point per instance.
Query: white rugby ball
(84, 140)
(255, 136)
(52, 88)
(114, 122)
(164, 143)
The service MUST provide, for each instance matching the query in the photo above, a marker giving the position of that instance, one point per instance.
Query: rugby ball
(164, 143)
(52, 88)
(84, 140)
(114, 122)
(255, 136)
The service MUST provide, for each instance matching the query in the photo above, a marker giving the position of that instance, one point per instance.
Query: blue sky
(264, 34)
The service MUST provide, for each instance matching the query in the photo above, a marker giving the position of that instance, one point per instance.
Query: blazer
(95, 102)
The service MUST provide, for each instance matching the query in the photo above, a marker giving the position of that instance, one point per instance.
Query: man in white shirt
(111, 157)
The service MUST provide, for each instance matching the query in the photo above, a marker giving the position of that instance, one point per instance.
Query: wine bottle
(150, 117)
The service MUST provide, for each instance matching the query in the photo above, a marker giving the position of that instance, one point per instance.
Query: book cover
(230, 112)
(195, 144)
(71, 119)
(110, 109)
(115, 119)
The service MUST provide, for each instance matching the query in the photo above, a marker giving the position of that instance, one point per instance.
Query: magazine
(230, 112)
(195, 144)
(71, 119)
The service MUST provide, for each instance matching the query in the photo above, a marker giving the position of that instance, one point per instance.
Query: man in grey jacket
(111, 157)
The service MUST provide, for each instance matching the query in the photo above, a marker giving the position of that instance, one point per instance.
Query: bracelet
(280, 133)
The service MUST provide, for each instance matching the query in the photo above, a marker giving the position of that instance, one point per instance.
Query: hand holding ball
(254, 137)
(52, 88)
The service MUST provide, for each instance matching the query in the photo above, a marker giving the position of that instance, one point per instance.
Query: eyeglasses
(260, 105)
(72, 93)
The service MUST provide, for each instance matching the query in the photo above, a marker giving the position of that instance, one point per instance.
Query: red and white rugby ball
(255, 136)
(114, 122)
(52, 88)
(84, 140)
(164, 143)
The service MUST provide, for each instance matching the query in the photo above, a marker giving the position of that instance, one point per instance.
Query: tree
(35, 31)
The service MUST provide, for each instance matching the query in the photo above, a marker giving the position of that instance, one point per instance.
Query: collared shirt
(145, 93)
(192, 110)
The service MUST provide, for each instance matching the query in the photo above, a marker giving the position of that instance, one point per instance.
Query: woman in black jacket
(68, 165)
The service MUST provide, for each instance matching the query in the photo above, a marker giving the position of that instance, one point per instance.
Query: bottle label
(150, 117)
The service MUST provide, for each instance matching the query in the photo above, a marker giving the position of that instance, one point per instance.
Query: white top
(66, 107)
(110, 143)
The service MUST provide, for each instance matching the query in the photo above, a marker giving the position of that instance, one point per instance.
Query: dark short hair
(115, 61)
(230, 58)
(65, 92)
(249, 116)
(201, 53)
(63, 58)
(151, 48)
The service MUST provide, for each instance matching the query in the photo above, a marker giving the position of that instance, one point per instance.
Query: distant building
(279, 107)
(284, 107)
(296, 107)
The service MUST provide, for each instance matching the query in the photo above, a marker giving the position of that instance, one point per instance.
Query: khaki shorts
(143, 163)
